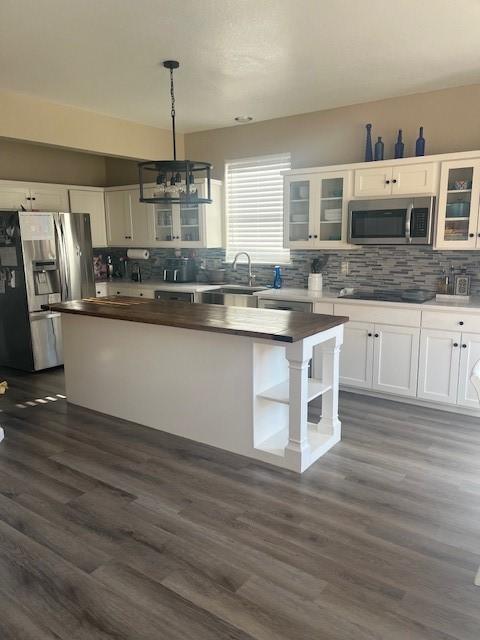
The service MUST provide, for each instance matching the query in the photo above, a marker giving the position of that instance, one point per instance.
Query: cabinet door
(164, 230)
(395, 359)
(300, 203)
(331, 218)
(457, 220)
(139, 214)
(45, 199)
(469, 356)
(412, 179)
(356, 355)
(14, 198)
(101, 289)
(438, 365)
(119, 218)
(92, 202)
(376, 181)
(190, 225)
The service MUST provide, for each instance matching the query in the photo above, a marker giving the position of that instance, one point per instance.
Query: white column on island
(329, 422)
(297, 450)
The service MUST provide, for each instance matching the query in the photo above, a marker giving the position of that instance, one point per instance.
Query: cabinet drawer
(323, 307)
(455, 320)
(383, 315)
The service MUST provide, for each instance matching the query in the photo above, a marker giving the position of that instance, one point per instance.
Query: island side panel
(194, 384)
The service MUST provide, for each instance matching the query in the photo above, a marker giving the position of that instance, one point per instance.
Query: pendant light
(174, 180)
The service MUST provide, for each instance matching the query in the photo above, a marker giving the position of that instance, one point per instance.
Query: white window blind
(254, 208)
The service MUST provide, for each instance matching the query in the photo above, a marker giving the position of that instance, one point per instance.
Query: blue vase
(399, 146)
(379, 149)
(277, 278)
(420, 144)
(368, 144)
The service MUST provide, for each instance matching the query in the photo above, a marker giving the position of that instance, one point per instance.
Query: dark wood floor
(110, 530)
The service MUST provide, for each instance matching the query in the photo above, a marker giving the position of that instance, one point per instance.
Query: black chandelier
(175, 180)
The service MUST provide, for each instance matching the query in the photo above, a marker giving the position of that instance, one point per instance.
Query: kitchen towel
(138, 254)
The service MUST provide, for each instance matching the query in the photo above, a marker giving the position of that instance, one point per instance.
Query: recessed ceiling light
(243, 119)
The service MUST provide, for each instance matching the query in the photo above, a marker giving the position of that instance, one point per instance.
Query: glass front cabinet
(458, 222)
(316, 210)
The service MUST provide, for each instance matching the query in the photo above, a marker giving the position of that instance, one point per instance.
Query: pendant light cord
(172, 94)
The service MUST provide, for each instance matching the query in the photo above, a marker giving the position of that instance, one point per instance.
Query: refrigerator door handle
(63, 263)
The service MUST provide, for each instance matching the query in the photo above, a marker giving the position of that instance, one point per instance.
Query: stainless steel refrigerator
(44, 258)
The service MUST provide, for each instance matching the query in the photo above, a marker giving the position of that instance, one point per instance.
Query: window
(254, 208)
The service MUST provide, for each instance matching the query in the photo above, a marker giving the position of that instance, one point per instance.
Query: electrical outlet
(345, 267)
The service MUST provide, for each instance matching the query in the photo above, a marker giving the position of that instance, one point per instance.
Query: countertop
(304, 295)
(284, 326)
(160, 285)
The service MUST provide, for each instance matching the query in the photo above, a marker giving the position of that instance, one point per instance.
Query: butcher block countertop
(268, 324)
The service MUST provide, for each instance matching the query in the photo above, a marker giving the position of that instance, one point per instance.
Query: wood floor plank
(112, 530)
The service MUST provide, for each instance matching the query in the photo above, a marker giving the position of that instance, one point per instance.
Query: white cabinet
(407, 179)
(127, 219)
(439, 365)
(395, 359)
(458, 221)
(469, 356)
(316, 210)
(43, 198)
(92, 202)
(380, 357)
(101, 289)
(356, 355)
(31, 197)
(188, 225)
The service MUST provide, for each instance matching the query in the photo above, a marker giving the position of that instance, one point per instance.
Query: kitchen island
(234, 378)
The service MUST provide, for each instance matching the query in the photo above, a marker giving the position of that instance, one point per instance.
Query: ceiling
(263, 58)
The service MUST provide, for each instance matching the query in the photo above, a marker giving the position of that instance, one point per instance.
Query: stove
(415, 296)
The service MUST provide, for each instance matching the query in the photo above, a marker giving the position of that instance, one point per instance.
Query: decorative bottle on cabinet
(420, 144)
(399, 146)
(277, 278)
(379, 149)
(368, 144)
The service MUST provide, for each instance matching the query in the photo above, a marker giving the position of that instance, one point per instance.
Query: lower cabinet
(469, 356)
(380, 357)
(395, 359)
(438, 365)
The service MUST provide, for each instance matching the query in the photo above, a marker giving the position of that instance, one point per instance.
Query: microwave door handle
(408, 223)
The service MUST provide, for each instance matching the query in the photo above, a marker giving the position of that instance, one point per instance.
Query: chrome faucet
(251, 276)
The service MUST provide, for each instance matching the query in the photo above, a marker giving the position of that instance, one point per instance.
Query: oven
(392, 221)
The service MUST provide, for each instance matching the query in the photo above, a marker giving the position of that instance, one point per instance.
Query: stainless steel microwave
(392, 221)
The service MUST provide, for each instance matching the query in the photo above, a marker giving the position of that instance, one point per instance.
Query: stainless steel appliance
(179, 270)
(183, 296)
(44, 258)
(392, 221)
(286, 305)
(409, 295)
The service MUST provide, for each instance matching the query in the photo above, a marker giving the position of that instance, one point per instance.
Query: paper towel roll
(138, 254)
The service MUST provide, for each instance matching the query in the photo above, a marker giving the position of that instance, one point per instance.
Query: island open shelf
(229, 377)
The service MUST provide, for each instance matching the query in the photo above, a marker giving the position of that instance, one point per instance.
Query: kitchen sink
(232, 296)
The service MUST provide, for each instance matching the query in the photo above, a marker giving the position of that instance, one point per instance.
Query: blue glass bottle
(420, 144)
(277, 277)
(399, 146)
(379, 148)
(368, 144)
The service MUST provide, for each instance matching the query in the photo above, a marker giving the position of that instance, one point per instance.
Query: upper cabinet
(188, 225)
(19, 196)
(127, 218)
(458, 222)
(92, 202)
(405, 179)
(316, 210)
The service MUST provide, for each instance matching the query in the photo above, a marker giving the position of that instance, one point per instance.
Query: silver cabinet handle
(408, 223)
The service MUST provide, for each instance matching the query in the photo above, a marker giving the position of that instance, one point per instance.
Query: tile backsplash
(372, 268)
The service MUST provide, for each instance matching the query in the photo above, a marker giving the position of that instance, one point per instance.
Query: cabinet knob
(369, 335)
(464, 346)
(376, 335)
(315, 236)
(141, 294)
(455, 344)
(309, 236)
(461, 323)
(387, 181)
(471, 235)
(394, 181)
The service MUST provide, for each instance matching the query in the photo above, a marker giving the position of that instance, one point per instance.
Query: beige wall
(39, 163)
(450, 117)
(29, 119)
(120, 171)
